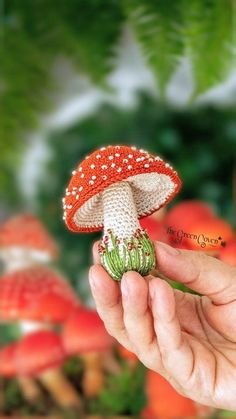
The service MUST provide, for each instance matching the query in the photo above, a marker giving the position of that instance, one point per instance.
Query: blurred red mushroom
(228, 253)
(209, 235)
(36, 294)
(29, 388)
(25, 241)
(155, 229)
(40, 354)
(179, 217)
(35, 297)
(84, 334)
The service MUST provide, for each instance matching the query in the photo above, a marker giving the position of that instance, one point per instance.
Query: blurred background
(80, 75)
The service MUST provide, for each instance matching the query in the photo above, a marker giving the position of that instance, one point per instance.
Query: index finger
(200, 272)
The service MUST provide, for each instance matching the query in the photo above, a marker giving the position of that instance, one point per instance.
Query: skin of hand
(189, 339)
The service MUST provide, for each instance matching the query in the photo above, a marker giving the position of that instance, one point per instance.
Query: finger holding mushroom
(123, 184)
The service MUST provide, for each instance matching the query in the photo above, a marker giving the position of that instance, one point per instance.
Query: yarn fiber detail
(83, 202)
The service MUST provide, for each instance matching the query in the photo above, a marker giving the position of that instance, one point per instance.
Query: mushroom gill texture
(112, 189)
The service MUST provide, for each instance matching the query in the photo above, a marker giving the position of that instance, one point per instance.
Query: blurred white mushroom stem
(30, 389)
(60, 388)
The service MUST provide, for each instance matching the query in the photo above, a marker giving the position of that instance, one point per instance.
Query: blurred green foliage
(36, 34)
(123, 394)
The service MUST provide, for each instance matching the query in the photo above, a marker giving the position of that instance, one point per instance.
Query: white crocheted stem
(119, 211)
(124, 246)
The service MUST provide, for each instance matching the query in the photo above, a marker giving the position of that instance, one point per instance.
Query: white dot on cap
(104, 167)
(138, 159)
(113, 164)
(73, 193)
(77, 196)
(82, 175)
(73, 172)
(103, 148)
(117, 154)
(104, 177)
(80, 169)
(69, 206)
(146, 165)
(98, 156)
(67, 193)
(92, 166)
(130, 156)
(91, 182)
(94, 177)
(125, 160)
(80, 188)
(110, 157)
(133, 148)
(129, 167)
(119, 169)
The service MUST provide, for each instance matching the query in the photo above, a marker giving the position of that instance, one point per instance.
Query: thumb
(203, 274)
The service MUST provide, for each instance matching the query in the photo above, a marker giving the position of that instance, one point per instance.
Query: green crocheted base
(133, 254)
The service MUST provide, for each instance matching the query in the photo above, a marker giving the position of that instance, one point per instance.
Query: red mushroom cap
(36, 294)
(7, 360)
(27, 231)
(179, 217)
(112, 164)
(84, 332)
(155, 229)
(228, 253)
(39, 351)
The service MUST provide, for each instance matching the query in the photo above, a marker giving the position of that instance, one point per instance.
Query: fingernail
(125, 285)
(168, 249)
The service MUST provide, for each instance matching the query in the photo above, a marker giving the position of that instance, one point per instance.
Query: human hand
(190, 340)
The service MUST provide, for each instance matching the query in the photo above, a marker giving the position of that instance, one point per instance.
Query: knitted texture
(26, 231)
(83, 210)
(120, 214)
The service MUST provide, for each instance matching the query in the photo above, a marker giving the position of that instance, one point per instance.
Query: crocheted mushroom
(111, 189)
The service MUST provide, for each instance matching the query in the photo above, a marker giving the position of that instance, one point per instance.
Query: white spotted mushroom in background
(24, 241)
(114, 197)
